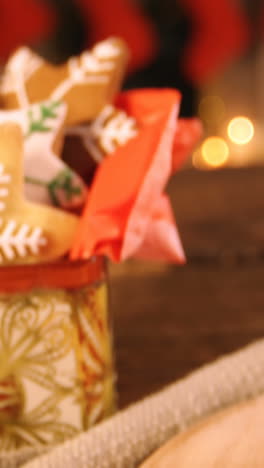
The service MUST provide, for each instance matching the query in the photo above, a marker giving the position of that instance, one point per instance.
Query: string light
(215, 151)
(240, 130)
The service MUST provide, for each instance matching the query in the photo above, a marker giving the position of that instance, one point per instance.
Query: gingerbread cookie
(86, 83)
(47, 178)
(86, 145)
(29, 232)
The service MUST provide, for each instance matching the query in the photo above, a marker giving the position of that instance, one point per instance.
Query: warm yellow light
(215, 151)
(212, 109)
(240, 130)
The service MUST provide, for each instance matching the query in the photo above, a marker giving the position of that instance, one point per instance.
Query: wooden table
(169, 320)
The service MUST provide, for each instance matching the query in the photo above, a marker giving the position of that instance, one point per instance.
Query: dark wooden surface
(169, 320)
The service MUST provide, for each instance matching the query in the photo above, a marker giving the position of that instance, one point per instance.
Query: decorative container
(56, 365)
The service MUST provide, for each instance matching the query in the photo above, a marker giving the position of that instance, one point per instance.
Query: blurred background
(211, 50)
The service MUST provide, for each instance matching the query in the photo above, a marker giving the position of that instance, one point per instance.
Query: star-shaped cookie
(29, 232)
(47, 178)
(86, 83)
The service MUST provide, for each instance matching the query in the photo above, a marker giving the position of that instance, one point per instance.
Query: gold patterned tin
(56, 366)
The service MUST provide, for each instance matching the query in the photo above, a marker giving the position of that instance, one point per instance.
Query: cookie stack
(57, 123)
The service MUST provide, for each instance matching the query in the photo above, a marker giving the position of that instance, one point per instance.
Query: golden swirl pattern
(56, 376)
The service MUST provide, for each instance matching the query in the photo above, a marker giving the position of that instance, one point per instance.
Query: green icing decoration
(63, 181)
(46, 112)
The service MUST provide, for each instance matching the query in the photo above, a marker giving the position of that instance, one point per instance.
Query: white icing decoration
(91, 68)
(19, 69)
(4, 191)
(106, 50)
(117, 131)
(91, 64)
(77, 75)
(110, 129)
(19, 240)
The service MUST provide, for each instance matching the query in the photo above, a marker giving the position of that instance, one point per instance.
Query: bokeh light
(215, 151)
(212, 109)
(240, 130)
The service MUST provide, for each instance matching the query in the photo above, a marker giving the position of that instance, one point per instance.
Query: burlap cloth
(132, 434)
